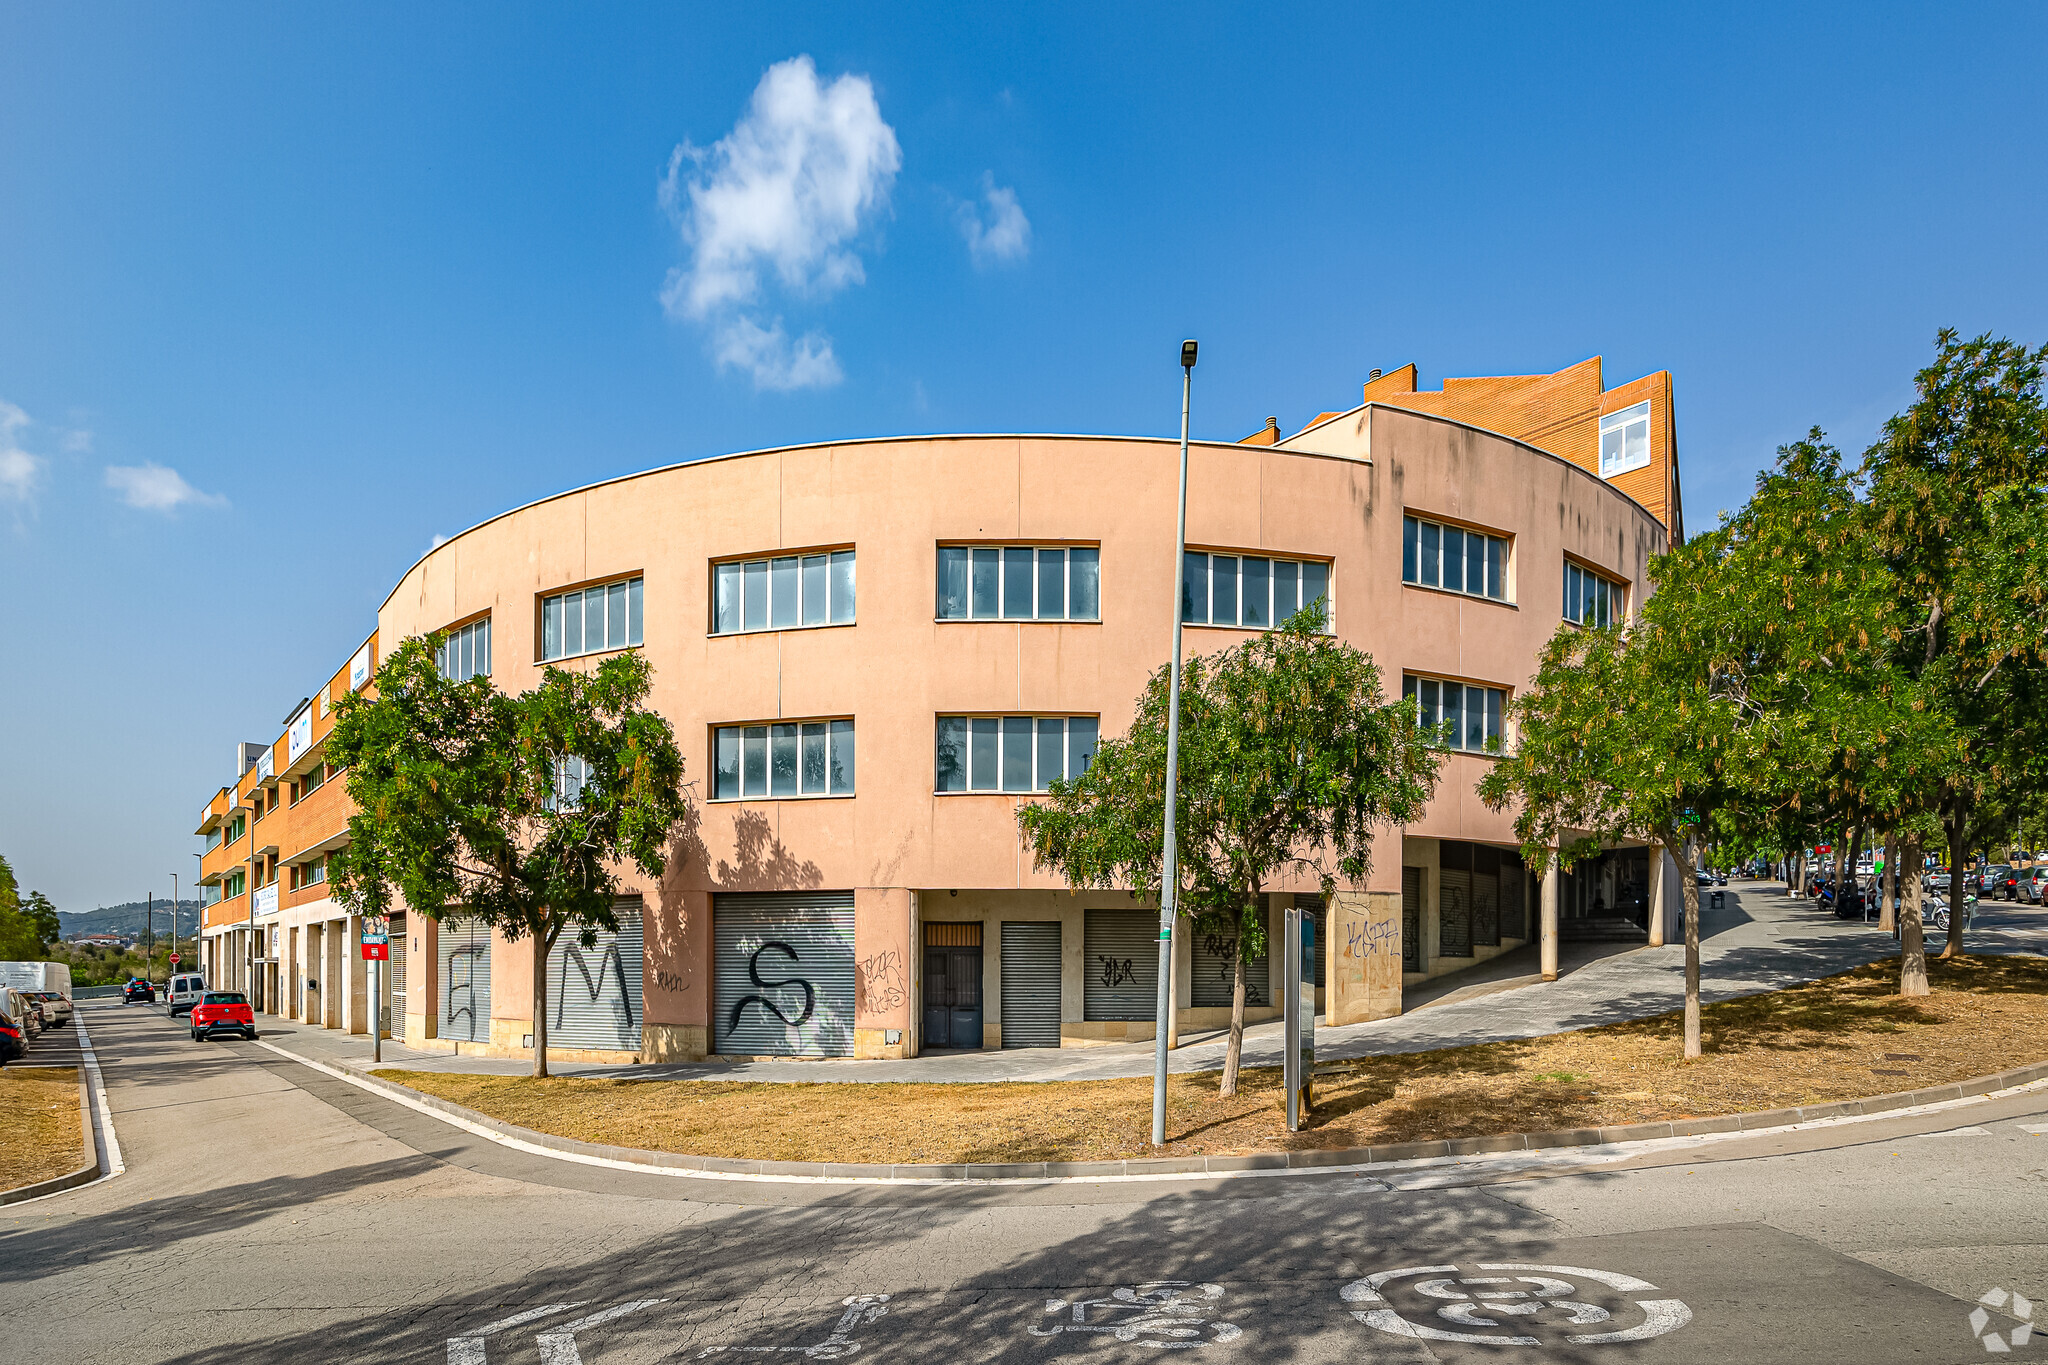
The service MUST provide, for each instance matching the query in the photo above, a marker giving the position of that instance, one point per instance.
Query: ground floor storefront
(894, 972)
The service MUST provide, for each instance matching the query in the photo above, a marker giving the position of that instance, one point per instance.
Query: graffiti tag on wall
(1371, 938)
(767, 1003)
(881, 982)
(1117, 971)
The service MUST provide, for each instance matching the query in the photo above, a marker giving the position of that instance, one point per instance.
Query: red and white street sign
(175, 959)
(376, 952)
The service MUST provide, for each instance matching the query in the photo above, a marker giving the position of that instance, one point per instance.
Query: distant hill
(127, 919)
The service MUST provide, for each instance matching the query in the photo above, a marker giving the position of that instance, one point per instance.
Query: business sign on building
(266, 899)
(266, 766)
(300, 737)
(359, 669)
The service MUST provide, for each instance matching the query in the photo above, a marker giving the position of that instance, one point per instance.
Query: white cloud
(996, 230)
(439, 541)
(781, 197)
(157, 488)
(20, 471)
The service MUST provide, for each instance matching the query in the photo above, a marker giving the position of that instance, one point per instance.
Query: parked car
(182, 992)
(13, 1039)
(2033, 884)
(1992, 882)
(138, 989)
(17, 1006)
(56, 1009)
(222, 1012)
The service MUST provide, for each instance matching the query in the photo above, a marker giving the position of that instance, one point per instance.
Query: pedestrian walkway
(1762, 940)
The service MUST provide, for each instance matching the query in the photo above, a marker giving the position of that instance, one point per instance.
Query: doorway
(952, 985)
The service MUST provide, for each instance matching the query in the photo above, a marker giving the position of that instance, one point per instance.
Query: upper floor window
(590, 620)
(236, 828)
(309, 874)
(1013, 753)
(787, 759)
(465, 653)
(1591, 600)
(783, 593)
(1450, 557)
(1252, 592)
(1020, 583)
(1470, 714)
(572, 775)
(234, 884)
(213, 839)
(315, 778)
(1624, 440)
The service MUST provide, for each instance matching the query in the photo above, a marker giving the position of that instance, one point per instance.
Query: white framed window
(1435, 555)
(591, 620)
(783, 760)
(1624, 440)
(572, 775)
(1591, 599)
(1470, 715)
(464, 654)
(1019, 583)
(1251, 592)
(1012, 753)
(785, 592)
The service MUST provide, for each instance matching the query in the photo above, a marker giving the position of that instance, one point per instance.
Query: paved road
(272, 1214)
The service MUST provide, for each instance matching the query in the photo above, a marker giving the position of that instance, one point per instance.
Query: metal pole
(1169, 878)
(149, 937)
(377, 998)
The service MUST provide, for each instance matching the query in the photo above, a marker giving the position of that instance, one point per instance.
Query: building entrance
(952, 985)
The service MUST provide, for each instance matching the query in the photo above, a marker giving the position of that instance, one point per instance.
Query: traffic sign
(175, 959)
(376, 952)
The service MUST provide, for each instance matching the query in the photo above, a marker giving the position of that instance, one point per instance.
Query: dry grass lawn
(40, 1137)
(1845, 1037)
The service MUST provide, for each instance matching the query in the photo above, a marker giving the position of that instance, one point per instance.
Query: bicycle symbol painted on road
(1510, 1309)
(1170, 1314)
(861, 1310)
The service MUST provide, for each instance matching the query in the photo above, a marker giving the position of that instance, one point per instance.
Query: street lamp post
(1169, 873)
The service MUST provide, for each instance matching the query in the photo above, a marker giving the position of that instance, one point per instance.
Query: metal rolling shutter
(783, 975)
(1514, 897)
(1454, 900)
(1314, 907)
(465, 956)
(1411, 919)
(1486, 896)
(1031, 985)
(1213, 977)
(594, 992)
(396, 974)
(1122, 970)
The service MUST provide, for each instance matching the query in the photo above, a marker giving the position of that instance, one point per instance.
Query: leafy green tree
(1958, 499)
(515, 810)
(1289, 760)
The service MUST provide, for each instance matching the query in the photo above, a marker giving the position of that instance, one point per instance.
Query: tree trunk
(1841, 851)
(1233, 1053)
(542, 944)
(1912, 946)
(1686, 855)
(1956, 910)
(1855, 855)
(1888, 888)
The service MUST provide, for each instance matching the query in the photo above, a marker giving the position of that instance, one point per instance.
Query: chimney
(1371, 377)
(1273, 425)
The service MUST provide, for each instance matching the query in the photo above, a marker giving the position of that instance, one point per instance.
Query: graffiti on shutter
(465, 960)
(1454, 900)
(1213, 980)
(594, 992)
(1411, 919)
(1121, 974)
(783, 974)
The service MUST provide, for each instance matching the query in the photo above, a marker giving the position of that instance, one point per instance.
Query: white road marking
(469, 1349)
(1159, 1313)
(558, 1344)
(1971, 1131)
(1482, 1301)
(861, 1310)
(2037, 1129)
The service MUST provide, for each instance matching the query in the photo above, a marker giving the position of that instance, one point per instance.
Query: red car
(222, 1012)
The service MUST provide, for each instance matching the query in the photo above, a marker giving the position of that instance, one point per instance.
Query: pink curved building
(873, 651)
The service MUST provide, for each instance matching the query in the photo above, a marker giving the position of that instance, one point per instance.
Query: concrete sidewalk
(1762, 940)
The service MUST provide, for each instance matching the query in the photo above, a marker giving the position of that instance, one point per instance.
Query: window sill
(1244, 630)
(1016, 621)
(1011, 795)
(759, 800)
(1507, 602)
(776, 630)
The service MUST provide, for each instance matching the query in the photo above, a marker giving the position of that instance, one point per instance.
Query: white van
(184, 991)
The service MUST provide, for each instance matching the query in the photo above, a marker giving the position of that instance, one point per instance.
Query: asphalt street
(272, 1213)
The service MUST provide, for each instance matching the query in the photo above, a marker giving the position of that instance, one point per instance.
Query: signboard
(266, 899)
(1298, 1007)
(376, 939)
(175, 959)
(376, 952)
(1825, 848)
(300, 737)
(359, 669)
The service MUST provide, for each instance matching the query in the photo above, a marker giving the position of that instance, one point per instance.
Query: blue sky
(285, 291)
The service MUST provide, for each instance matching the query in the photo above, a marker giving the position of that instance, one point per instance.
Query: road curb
(83, 1175)
(96, 1127)
(1326, 1161)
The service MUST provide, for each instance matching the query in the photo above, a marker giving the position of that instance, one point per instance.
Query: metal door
(1486, 896)
(594, 992)
(952, 985)
(1514, 897)
(465, 957)
(1213, 975)
(783, 975)
(1031, 984)
(1122, 970)
(1454, 900)
(1411, 919)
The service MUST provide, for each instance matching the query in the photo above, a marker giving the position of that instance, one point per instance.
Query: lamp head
(1187, 355)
